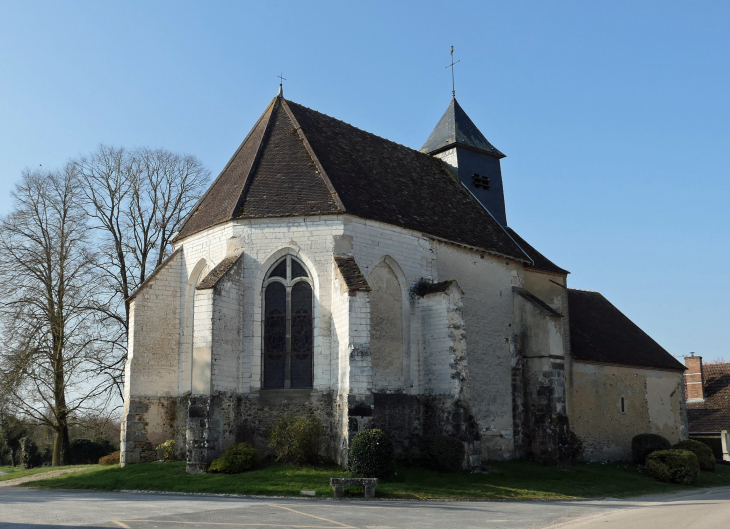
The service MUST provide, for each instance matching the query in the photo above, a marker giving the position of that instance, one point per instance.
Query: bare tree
(50, 352)
(137, 200)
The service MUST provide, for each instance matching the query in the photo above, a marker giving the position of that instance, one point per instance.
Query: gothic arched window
(288, 333)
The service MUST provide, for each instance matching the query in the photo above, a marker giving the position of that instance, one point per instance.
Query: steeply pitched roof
(712, 415)
(297, 162)
(539, 261)
(599, 332)
(456, 129)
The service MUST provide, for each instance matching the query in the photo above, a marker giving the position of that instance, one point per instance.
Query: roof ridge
(256, 158)
(366, 131)
(582, 290)
(320, 169)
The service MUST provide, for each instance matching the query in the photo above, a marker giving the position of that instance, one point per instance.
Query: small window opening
(623, 405)
(481, 181)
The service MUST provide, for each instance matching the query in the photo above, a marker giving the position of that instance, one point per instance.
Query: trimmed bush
(167, 450)
(236, 459)
(296, 439)
(675, 466)
(442, 452)
(111, 459)
(372, 454)
(644, 444)
(704, 454)
(715, 444)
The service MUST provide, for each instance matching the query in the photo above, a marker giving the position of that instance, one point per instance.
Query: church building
(330, 272)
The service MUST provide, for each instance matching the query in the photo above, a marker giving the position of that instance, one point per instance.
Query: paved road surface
(45, 509)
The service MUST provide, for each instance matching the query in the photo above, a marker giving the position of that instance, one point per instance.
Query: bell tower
(458, 142)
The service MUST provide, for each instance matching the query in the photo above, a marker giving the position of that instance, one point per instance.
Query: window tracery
(288, 333)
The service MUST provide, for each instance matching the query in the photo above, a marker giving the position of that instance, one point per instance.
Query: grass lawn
(18, 472)
(509, 480)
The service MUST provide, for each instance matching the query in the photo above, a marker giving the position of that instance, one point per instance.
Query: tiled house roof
(712, 415)
(296, 162)
(599, 332)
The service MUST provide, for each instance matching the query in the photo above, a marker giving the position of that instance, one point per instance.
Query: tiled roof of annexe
(599, 332)
(298, 162)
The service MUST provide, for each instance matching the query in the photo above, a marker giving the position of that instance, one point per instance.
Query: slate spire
(456, 129)
(459, 143)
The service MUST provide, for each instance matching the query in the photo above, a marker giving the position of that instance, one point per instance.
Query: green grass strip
(521, 480)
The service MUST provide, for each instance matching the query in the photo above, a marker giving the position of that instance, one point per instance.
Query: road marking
(120, 524)
(311, 515)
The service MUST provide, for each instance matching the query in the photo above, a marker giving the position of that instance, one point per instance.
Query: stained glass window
(288, 334)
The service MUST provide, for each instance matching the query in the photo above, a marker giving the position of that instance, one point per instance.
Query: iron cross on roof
(281, 83)
(453, 89)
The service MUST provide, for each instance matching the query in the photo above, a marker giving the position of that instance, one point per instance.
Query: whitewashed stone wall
(443, 348)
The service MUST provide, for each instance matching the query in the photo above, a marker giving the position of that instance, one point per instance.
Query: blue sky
(613, 115)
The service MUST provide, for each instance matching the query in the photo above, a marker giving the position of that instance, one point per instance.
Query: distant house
(708, 397)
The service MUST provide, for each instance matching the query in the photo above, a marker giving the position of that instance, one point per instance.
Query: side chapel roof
(297, 162)
(539, 261)
(599, 332)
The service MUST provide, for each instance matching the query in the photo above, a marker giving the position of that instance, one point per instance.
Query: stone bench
(368, 484)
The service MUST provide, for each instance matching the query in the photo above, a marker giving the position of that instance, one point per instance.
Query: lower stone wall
(204, 426)
(150, 421)
(608, 405)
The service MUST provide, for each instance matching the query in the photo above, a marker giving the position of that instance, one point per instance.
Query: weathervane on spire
(281, 83)
(453, 88)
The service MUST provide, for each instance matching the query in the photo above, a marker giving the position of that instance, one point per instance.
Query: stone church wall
(486, 281)
(151, 371)
(653, 403)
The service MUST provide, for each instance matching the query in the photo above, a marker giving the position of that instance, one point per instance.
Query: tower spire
(281, 84)
(453, 86)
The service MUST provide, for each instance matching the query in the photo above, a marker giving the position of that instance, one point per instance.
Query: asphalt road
(22, 507)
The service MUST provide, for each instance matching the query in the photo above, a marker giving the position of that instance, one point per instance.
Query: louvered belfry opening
(288, 333)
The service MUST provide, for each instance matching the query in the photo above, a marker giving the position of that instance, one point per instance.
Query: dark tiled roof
(218, 272)
(540, 262)
(354, 280)
(425, 288)
(455, 128)
(298, 161)
(286, 181)
(599, 332)
(712, 415)
(221, 200)
(381, 180)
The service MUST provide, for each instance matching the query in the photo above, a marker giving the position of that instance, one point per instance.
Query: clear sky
(613, 115)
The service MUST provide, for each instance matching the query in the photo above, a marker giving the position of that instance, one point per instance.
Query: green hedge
(644, 444)
(372, 454)
(296, 439)
(715, 444)
(675, 466)
(443, 453)
(236, 459)
(703, 452)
